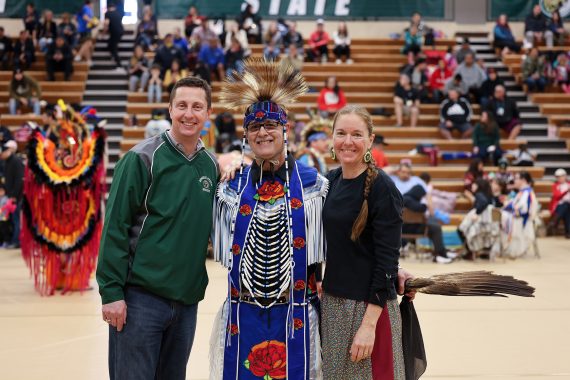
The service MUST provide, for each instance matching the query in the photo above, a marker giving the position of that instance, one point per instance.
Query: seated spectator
(234, 57)
(443, 202)
(464, 50)
(272, 41)
(412, 41)
(504, 175)
(487, 139)
(47, 31)
(147, 33)
(456, 83)
(59, 58)
(155, 84)
(31, 19)
(226, 124)
(420, 81)
(191, 21)
(293, 58)
(24, 92)
(533, 70)
(293, 37)
(318, 43)
(139, 71)
(316, 146)
(342, 43)
(455, 113)
(560, 203)
(167, 53)
(157, 124)
(503, 36)
(406, 102)
(414, 192)
(211, 60)
(474, 172)
(24, 51)
(378, 152)
(438, 78)
(450, 59)
(250, 21)
(202, 35)
(477, 229)
(518, 218)
(522, 156)
(241, 36)
(499, 191)
(535, 30)
(488, 87)
(561, 72)
(424, 31)
(5, 50)
(506, 112)
(173, 75)
(331, 98)
(472, 75)
(556, 26)
(68, 30)
(179, 41)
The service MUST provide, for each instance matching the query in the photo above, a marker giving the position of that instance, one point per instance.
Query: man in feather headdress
(268, 233)
(315, 143)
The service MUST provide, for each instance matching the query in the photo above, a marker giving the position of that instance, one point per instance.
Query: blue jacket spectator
(504, 36)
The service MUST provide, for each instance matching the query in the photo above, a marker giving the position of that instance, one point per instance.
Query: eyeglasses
(269, 127)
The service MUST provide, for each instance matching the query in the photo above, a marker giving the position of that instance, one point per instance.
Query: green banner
(306, 9)
(519, 9)
(17, 8)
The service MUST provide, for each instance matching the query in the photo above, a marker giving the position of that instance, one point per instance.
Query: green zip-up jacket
(157, 222)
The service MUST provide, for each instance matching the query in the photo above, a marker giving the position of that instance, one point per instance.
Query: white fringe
(315, 242)
(217, 345)
(225, 213)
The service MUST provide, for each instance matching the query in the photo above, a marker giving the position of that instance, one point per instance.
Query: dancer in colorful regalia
(268, 233)
(64, 184)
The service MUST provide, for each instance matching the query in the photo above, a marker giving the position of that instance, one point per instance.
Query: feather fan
(477, 283)
(262, 80)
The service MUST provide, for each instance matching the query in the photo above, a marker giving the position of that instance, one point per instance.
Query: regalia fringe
(316, 245)
(225, 212)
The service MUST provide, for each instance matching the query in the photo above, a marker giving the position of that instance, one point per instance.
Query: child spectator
(561, 73)
(450, 59)
(533, 69)
(406, 101)
(47, 31)
(486, 138)
(155, 85)
(5, 49)
(556, 26)
(318, 43)
(378, 151)
(535, 28)
(488, 87)
(506, 112)
(560, 203)
(7, 207)
(173, 75)
(503, 36)
(474, 172)
(331, 98)
(342, 43)
(412, 41)
(157, 124)
(456, 83)
(522, 156)
(24, 92)
(139, 72)
(455, 113)
(24, 51)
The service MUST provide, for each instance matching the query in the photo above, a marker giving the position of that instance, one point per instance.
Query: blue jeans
(563, 212)
(16, 224)
(156, 341)
(536, 84)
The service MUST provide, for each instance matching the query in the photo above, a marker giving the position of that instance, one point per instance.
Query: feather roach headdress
(263, 90)
(316, 128)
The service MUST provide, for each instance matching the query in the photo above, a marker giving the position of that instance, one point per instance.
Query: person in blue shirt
(504, 36)
(212, 57)
(85, 20)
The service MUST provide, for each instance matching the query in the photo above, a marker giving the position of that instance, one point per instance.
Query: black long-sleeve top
(14, 177)
(365, 270)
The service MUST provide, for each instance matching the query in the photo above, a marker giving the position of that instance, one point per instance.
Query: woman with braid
(362, 218)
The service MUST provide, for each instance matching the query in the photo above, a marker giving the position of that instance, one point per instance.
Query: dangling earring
(333, 154)
(367, 156)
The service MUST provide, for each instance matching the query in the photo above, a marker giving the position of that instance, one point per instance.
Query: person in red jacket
(438, 78)
(331, 98)
(560, 203)
(318, 41)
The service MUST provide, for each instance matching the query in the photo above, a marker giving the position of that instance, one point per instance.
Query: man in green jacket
(152, 270)
(24, 91)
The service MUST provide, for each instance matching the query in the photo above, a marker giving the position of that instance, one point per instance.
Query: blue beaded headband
(266, 110)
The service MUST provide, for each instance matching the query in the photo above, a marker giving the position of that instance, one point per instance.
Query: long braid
(360, 222)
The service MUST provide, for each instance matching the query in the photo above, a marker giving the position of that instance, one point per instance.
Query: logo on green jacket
(206, 184)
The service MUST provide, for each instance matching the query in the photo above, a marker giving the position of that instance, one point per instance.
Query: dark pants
(65, 65)
(15, 218)
(156, 341)
(315, 54)
(536, 84)
(5, 232)
(341, 50)
(495, 155)
(113, 46)
(563, 212)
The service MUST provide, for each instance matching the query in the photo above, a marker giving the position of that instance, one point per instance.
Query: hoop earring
(333, 154)
(367, 156)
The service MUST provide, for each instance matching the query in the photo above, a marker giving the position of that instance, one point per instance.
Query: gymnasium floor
(64, 338)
